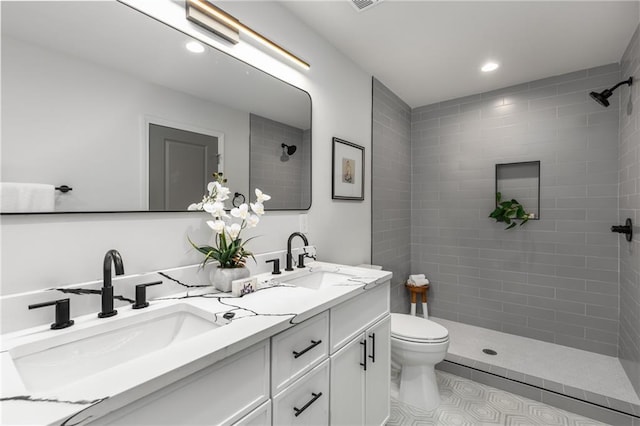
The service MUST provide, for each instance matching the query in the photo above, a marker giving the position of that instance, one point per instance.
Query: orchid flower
(257, 208)
(216, 209)
(222, 193)
(261, 197)
(233, 230)
(218, 225)
(241, 212)
(252, 221)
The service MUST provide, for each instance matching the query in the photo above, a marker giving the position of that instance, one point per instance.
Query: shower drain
(490, 352)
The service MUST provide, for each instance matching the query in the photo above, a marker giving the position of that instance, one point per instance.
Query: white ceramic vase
(221, 278)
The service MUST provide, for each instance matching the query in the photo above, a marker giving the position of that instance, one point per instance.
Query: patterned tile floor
(465, 402)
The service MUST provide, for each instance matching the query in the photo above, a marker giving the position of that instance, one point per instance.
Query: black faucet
(114, 257)
(289, 255)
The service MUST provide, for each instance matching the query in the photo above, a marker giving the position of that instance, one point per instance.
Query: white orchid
(241, 212)
(217, 192)
(216, 209)
(229, 249)
(261, 197)
(223, 193)
(212, 187)
(217, 225)
(233, 230)
(257, 208)
(252, 221)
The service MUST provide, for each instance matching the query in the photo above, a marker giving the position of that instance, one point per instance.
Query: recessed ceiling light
(195, 47)
(490, 66)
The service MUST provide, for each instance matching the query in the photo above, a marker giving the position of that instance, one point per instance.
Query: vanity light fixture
(489, 66)
(228, 27)
(194, 47)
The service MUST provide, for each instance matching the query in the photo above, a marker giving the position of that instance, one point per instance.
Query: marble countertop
(275, 307)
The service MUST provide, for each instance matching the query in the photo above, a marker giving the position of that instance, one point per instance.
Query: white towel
(419, 282)
(26, 197)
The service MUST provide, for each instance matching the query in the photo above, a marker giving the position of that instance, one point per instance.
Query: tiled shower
(565, 278)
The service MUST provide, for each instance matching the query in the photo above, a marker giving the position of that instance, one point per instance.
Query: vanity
(310, 346)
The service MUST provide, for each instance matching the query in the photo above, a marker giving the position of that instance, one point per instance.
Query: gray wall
(629, 190)
(391, 190)
(555, 279)
(284, 181)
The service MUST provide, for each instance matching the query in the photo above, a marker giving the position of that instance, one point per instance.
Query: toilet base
(419, 387)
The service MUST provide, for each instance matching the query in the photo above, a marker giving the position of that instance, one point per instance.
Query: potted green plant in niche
(509, 212)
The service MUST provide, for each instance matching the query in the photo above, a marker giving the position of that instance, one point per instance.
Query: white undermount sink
(75, 354)
(321, 279)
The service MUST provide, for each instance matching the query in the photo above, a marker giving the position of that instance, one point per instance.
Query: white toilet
(417, 345)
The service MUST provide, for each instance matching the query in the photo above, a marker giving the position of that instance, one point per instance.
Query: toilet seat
(413, 329)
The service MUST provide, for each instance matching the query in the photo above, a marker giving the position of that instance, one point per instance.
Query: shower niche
(520, 181)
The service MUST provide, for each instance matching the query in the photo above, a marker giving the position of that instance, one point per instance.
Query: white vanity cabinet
(220, 394)
(333, 368)
(360, 368)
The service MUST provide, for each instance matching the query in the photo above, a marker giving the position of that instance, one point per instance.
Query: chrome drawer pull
(300, 410)
(314, 343)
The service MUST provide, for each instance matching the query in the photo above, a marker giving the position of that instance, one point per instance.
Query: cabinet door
(378, 377)
(347, 384)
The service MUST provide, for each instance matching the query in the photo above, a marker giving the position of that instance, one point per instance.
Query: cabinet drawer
(305, 402)
(352, 317)
(298, 350)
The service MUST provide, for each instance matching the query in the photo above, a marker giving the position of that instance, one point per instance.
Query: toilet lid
(416, 329)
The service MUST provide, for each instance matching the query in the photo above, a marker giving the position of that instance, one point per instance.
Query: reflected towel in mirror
(26, 197)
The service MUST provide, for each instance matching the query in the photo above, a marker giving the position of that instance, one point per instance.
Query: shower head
(287, 150)
(603, 97)
(290, 149)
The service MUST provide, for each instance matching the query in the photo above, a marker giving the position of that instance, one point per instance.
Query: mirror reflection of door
(180, 166)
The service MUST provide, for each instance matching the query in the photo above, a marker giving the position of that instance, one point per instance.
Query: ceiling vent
(362, 5)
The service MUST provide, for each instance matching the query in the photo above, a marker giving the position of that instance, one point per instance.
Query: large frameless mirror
(105, 101)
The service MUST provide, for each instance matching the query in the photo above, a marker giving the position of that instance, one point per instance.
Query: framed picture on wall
(347, 171)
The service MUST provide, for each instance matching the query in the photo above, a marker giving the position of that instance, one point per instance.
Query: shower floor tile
(570, 370)
(465, 402)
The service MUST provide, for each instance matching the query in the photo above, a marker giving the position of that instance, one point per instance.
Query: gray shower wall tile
(629, 170)
(538, 272)
(391, 186)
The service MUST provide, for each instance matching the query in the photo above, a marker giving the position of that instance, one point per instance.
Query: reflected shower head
(290, 148)
(287, 150)
(603, 97)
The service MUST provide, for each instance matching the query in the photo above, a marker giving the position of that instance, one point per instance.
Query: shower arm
(629, 82)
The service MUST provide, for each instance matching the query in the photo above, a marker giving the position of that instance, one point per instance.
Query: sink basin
(65, 358)
(321, 279)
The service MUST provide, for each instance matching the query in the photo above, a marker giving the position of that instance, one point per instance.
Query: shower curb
(481, 372)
